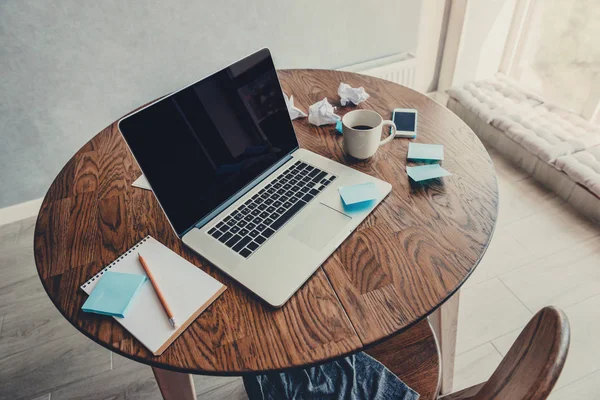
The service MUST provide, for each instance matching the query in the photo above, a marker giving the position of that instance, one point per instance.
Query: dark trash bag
(358, 376)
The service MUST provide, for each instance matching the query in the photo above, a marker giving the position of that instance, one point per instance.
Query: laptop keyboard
(254, 222)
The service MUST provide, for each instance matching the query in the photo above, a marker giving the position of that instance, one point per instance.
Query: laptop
(223, 160)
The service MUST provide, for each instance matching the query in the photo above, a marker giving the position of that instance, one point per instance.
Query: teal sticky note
(355, 194)
(113, 293)
(338, 127)
(426, 172)
(425, 152)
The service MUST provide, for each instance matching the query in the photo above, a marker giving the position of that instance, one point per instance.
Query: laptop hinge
(240, 193)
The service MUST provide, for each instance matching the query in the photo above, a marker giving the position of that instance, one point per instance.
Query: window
(557, 53)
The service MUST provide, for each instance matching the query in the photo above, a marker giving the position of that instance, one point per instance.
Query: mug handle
(392, 131)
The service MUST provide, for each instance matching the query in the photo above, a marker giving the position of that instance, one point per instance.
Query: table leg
(444, 322)
(174, 385)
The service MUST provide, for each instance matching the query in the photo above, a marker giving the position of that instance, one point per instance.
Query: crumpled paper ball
(352, 95)
(294, 111)
(322, 113)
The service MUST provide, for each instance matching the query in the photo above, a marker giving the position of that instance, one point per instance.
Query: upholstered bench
(556, 147)
(583, 167)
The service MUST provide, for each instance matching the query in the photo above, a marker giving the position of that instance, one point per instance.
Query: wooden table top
(409, 256)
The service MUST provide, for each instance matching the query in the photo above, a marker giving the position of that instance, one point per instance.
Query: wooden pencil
(161, 297)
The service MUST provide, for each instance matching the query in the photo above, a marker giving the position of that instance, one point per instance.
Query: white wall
(71, 67)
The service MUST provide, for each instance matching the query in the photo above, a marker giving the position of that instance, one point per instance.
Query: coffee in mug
(362, 132)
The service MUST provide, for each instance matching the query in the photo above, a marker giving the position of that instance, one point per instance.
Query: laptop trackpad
(320, 226)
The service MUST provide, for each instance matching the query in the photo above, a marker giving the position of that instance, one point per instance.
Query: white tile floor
(542, 253)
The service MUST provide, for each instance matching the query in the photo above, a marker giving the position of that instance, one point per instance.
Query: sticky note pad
(113, 293)
(426, 172)
(425, 152)
(338, 127)
(358, 193)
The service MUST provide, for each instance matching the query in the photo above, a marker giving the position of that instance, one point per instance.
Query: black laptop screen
(203, 144)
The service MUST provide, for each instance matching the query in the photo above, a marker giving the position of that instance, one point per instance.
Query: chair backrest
(534, 362)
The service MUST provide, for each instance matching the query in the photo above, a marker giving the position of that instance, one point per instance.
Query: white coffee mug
(362, 132)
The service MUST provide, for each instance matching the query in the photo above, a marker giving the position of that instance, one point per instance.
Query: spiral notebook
(187, 289)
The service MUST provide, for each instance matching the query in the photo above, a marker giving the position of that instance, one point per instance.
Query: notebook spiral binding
(99, 274)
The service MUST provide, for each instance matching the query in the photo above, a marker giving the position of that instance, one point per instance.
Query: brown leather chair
(528, 371)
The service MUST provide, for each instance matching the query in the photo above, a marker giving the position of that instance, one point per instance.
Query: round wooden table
(405, 260)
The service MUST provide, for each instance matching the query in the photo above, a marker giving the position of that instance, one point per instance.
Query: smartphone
(406, 122)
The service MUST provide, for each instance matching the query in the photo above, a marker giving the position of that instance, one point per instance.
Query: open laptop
(222, 158)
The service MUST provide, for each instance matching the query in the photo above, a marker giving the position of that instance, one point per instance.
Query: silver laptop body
(271, 233)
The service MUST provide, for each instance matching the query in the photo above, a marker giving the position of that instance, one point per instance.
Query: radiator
(399, 68)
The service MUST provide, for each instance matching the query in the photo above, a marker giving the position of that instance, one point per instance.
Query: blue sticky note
(338, 126)
(358, 193)
(425, 152)
(113, 293)
(426, 172)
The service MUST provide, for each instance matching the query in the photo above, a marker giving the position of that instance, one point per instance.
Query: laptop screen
(200, 146)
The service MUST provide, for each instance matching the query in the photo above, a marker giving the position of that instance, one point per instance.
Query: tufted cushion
(561, 138)
(583, 167)
(548, 131)
(541, 127)
(494, 97)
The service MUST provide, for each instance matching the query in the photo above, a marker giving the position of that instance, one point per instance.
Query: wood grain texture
(423, 241)
(413, 357)
(418, 246)
(464, 394)
(533, 364)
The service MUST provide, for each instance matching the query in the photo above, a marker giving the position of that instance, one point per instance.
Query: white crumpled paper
(352, 95)
(322, 113)
(295, 112)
